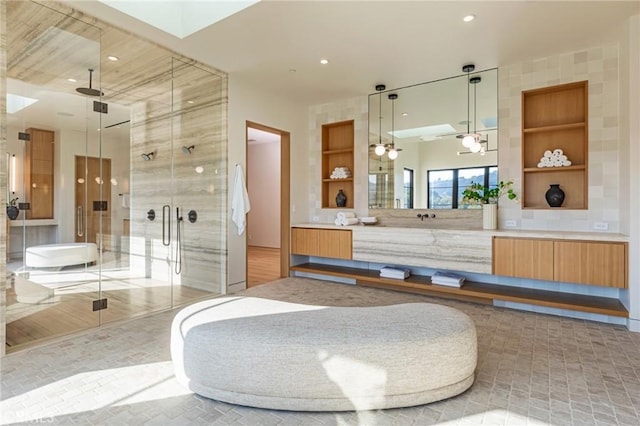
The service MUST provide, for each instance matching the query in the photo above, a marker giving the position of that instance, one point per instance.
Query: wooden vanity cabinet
(332, 243)
(594, 263)
(523, 257)
(601, 263)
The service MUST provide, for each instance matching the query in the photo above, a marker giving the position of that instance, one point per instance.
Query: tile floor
(533, 369)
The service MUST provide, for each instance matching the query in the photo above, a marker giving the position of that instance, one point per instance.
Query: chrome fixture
(147, 157)
(187, 149)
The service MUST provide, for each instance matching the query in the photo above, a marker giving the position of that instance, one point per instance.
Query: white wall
(263, 183)
(250, 103)
(630, 102)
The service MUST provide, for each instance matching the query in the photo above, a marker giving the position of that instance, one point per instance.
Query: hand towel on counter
(240, 204)
(346, 215)
(349, 221)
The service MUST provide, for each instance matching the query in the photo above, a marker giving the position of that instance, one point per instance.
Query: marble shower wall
(191, 112)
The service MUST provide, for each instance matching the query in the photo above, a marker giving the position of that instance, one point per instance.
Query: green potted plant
(12, 209)
(477, 193)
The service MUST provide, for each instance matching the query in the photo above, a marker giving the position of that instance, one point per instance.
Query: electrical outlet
(601, 226)
(316, 219)
(510, 223)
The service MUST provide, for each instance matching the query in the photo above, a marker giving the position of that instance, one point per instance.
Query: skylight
(180, 18)
(435, 130)
(16, 103)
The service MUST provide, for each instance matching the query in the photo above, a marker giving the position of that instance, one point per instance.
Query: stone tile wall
(598, 65)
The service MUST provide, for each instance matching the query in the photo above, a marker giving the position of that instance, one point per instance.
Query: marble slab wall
(436, 219)
(173, 179)
(451, 250)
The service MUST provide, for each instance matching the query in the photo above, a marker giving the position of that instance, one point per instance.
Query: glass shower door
(54, 277)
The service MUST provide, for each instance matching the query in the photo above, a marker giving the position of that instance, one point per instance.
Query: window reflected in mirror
(427, 127)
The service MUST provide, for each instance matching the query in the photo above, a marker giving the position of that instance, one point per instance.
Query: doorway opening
(269, 220)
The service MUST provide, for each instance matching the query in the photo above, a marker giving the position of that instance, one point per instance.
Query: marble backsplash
(435, 219)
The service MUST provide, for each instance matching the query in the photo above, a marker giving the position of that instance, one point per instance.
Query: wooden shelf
(473, 291)
(338, 180)
(337, 151)
(554, 128)
(553, 169)
(555, 117)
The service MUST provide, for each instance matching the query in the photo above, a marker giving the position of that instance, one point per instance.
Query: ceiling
(277, 45)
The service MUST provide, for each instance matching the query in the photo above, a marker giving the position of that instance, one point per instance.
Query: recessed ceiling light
(324, 61)
(404, 114)
(72, 80)
(112, 58)
(292, 70)
(190, 102)
(469, 18)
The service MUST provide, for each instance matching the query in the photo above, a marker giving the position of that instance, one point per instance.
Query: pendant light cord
(380, 121)
(468, 99)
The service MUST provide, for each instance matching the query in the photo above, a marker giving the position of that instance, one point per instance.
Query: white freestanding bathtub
(58, 255)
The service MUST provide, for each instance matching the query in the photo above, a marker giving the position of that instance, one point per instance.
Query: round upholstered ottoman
(287, 356)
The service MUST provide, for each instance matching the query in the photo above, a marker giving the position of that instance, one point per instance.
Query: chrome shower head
(148, 156)
(187, 149)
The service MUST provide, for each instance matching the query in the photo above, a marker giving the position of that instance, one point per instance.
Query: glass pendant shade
(393, 154)
(475, 147)
(468, 141)
(380, 149)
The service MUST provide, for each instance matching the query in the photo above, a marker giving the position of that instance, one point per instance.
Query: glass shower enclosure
(116, 157)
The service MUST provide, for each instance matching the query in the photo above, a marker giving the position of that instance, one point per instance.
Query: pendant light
(470, 139)
(380, 148)
(393, 153)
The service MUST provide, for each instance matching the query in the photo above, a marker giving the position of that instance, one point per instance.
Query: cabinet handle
(79, 221)
(166, 225)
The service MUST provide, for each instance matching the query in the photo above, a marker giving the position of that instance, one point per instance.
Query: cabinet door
(594, 263)
(334, 243)
(304, 241)
(523, 258)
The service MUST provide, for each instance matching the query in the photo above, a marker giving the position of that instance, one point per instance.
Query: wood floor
(72, 309)
(263, 265)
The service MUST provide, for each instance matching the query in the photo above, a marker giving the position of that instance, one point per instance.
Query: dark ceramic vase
(12, 212)
(554, 195)
(341, 199)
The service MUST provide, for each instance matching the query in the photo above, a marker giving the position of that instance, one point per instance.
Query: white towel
(346, 215)
(125, 201)
(348, 221)
(240, 204)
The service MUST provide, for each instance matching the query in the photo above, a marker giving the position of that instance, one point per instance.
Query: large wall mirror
(425, 124)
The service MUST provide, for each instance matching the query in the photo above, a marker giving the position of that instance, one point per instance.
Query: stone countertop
(515, 233)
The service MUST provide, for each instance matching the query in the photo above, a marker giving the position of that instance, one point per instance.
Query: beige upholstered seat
(281, 355)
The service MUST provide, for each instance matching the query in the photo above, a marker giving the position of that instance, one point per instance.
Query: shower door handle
(166, 225)
(79, 221)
